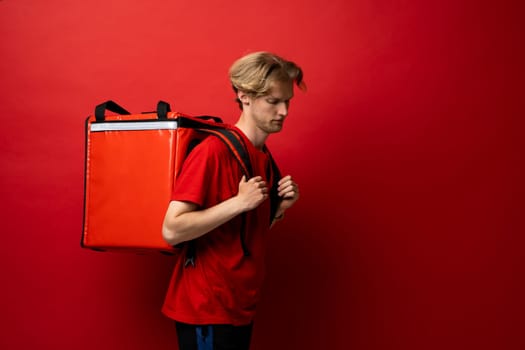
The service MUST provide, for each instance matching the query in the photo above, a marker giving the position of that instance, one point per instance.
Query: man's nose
(283, 109)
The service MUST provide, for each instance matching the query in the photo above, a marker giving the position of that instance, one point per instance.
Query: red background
(407, 147)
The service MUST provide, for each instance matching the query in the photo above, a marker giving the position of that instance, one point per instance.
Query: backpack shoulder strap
(236, 145)
(274, 193)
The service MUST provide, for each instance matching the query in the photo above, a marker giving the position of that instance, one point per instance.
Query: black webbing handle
(162, 110)
(100, 110)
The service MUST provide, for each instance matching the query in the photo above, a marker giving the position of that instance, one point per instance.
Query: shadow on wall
(306, 286)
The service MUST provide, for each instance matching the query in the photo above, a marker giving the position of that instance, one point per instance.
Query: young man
(213, 301)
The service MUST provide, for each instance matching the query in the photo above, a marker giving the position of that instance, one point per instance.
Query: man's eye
(272, 101)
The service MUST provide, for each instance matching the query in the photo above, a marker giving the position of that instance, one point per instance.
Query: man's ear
(244, 98)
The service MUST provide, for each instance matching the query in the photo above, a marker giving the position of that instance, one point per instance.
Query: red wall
(407, 146)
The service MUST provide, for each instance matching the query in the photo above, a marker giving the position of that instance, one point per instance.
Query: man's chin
(276, 127)
(272, 128)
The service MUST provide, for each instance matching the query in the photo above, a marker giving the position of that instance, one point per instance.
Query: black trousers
(213, 337)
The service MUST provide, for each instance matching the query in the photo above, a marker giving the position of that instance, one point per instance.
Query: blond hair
(254, 73)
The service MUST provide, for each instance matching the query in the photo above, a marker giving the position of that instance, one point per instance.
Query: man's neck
(254, 134)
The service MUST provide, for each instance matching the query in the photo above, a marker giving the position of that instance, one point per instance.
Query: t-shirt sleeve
(192, 183)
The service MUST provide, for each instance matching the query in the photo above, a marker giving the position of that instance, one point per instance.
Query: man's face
(269, 111)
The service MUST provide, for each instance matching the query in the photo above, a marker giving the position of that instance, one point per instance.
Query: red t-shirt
(224, 285)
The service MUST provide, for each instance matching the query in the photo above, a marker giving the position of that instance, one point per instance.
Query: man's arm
(184, 222)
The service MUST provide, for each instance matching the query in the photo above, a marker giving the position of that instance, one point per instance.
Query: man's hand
(252, 192)
(289, 193)
(185, 221)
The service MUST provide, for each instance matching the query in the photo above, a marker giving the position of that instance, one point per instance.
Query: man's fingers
(292, 186)
(284, 179)
(285, 184)
(287, 194)
(289, 191)
(256, 179)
